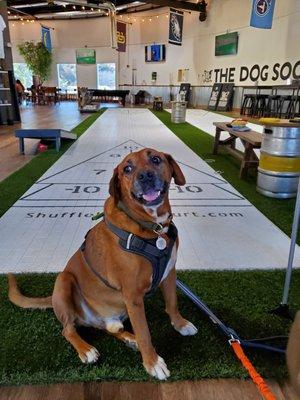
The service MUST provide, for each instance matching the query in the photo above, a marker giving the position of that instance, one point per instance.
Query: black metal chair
(287, 106)
(272, 108)
(260, 104)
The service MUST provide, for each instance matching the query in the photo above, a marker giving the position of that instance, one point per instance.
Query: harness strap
(103, 280)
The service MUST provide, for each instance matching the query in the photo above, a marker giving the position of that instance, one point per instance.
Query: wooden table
(251, 140)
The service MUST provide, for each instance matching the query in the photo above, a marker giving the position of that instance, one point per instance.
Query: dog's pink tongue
(151, 196)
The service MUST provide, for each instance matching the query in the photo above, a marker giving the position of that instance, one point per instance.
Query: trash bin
(178, 111)
(279, 164)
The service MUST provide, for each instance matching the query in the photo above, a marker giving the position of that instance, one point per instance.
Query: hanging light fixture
(203, 11)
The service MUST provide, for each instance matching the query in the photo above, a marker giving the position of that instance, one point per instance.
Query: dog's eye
(156, 160)
(127, 169)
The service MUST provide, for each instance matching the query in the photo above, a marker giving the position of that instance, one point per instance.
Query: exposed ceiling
(43, 9)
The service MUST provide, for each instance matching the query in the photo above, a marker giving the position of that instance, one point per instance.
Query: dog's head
(144, 177)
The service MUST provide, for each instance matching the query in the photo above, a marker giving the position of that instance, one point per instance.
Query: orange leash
(257, 379)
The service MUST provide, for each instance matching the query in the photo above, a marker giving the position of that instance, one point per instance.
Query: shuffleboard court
(218, 228)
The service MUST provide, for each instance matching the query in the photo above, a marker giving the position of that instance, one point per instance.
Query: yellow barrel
(279, 164)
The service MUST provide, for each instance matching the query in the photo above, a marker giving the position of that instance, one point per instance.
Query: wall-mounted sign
(85, 56)
(46, 38)
(256, 72)
(262, 14)
(121, 36)
(175, 27)
(226, 44)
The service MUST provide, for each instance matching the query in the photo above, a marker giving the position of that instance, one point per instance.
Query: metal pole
(288, 275)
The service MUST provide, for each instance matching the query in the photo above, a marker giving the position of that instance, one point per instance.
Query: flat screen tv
(226, 44)
(155, 53)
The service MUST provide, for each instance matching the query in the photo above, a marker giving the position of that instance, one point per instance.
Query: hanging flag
(46, 37)
(175, 27)
(121, 36)
(262, 14)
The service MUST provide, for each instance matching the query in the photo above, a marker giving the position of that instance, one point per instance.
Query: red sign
(121, 36)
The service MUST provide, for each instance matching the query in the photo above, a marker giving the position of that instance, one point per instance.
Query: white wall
(66, 37)
(256, 46)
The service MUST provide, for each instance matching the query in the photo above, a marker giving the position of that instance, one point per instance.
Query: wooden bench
(251, 140)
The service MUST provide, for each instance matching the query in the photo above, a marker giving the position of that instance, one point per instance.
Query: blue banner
(46, 38)
(262, 14)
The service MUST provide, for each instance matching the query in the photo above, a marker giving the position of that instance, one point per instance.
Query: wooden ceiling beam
(183, 5)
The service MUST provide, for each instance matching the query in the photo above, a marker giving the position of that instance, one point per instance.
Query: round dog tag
(161, 244)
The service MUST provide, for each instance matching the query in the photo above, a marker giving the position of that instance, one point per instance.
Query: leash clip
(233, 340)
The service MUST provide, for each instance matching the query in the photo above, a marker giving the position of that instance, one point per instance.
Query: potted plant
(38, 59)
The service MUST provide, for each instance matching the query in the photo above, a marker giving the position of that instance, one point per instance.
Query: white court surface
(218, 228)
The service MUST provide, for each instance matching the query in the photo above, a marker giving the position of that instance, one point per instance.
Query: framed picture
(226, 44)
(85, 56)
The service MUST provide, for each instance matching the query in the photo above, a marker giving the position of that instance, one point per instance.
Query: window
(22, 72)
(67, 79)
(106, 76)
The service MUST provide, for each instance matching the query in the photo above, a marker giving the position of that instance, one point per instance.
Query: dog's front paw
(159, 369)
(188, 329)
(89, 356)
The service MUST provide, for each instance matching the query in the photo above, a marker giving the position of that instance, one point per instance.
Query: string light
(143, 20)
(32, 21)
(157, 16)
(92, 9)
(28, 20)
(74, 7)
(8, 12)
(23, 23)
(150, 19)
(21, 19)
(83, 8)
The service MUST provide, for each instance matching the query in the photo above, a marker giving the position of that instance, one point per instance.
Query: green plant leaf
(38, 59)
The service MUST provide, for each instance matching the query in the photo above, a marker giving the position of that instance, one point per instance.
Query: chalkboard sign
(226, 97)
(214, 96)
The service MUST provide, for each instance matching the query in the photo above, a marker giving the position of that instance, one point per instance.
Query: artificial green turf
(280, 212)
(12, 188)
(33, 350)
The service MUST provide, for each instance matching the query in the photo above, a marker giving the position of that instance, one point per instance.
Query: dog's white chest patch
(171, 262)
(89, 318)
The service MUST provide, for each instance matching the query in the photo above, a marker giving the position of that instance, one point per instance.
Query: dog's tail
(293, 354)
(16, 297)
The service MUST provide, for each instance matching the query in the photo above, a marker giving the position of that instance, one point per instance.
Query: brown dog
(106, 280)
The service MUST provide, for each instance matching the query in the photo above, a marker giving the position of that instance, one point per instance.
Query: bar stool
(248, 104)
(272, 108)
(287, 105)
(260, 104)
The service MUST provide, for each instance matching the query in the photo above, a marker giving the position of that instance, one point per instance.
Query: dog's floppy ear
(177, 174)
(114, 186)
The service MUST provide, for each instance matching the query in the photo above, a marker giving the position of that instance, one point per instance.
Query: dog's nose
(146, 176)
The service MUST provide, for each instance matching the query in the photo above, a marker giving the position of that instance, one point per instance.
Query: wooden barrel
(279, 164)
(178, 111)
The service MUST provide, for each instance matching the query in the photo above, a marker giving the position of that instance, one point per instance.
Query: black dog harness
(146, 248)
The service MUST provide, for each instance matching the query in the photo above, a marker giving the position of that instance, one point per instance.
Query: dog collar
(151, 226)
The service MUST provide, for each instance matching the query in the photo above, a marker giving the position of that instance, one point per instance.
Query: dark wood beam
(184, 5)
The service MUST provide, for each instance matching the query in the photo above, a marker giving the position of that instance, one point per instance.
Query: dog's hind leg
(65, 310)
